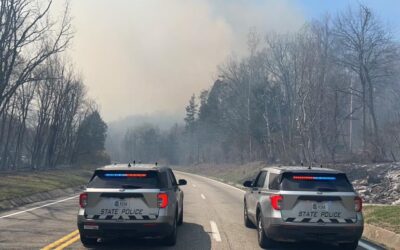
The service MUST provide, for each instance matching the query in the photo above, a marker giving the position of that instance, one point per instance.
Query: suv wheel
(170, 240)
(350, 245)
(247, 221)
(263, 240)
(88, 242)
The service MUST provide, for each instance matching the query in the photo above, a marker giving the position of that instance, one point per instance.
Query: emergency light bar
(125, 175)
(313, 178)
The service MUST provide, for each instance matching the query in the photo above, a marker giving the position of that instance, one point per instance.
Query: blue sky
(387, 10)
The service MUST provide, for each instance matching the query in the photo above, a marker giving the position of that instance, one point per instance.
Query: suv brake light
(276, 201)
(357, 204)
(83, 200)
(162, 200)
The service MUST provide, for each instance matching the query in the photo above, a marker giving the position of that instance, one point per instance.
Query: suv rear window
(127, 179)
(316, 182)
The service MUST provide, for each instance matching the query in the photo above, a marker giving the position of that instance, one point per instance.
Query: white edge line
(202, 196)
(211, 180)
(366, 246)
(34, 208)
(215, 232)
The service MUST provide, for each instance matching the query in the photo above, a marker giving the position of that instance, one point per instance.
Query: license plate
(320, 206)
(121, 203)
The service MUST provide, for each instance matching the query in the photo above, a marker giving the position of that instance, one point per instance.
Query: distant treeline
(328, 92)
(46, 118)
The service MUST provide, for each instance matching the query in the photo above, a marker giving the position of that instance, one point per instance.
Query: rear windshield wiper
(127, 186)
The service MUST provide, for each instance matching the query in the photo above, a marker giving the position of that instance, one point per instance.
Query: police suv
(300, 203)
(134, 200)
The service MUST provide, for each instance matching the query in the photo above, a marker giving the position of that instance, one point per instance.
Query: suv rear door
(255, 193)
(177, 191)
(317, 197)
(124, 195)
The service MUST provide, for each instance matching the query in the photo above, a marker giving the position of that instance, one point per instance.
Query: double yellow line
(63, 242)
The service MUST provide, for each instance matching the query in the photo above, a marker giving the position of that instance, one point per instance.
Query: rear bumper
(161, 227)
(323, 232)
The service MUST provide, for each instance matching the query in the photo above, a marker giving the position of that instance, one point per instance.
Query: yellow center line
(62, 240)
(70, 242)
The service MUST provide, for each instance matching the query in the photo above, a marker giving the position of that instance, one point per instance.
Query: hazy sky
(146, 56)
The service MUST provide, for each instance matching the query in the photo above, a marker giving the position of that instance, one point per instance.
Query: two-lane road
(213, 219)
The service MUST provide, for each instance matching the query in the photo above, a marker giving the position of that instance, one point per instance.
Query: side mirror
(182, 182)
(248, 184)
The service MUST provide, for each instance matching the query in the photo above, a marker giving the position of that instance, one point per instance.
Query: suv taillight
(83, 200)
(357, 204)
(162, 200)
(276, 201)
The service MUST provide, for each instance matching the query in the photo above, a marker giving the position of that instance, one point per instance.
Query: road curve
(213, 219)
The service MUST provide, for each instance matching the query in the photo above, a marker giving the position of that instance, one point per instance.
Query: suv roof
(138, 166)
(302, 169)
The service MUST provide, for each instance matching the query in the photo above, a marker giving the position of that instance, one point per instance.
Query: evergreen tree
(191, 113)
(90, 141)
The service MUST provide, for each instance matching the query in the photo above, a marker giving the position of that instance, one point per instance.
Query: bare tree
(367, 48)
(27, 38)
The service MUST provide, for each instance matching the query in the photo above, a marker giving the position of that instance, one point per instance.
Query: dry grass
(21, 184)
(387, 217)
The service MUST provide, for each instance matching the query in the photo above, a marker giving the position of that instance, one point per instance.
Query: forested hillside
(326, 93)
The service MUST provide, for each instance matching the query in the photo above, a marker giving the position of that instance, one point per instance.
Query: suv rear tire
(350, 245)
(170, 240)
(88, 242)
(263, 239)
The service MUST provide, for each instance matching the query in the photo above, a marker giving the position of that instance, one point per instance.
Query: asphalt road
(213, 219)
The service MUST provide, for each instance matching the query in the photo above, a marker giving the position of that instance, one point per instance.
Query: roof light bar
(314, 178)
(125, 175)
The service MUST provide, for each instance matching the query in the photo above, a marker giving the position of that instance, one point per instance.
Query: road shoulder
(10, 204)
(382, 236)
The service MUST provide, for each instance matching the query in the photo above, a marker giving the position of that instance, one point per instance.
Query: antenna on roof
(134, 162)
(156, 163)
(320, 166)
(302, 164)
(309, 167)
(129, 164)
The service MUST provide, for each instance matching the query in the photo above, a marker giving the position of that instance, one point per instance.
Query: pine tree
(90, 141)
(191, 113)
